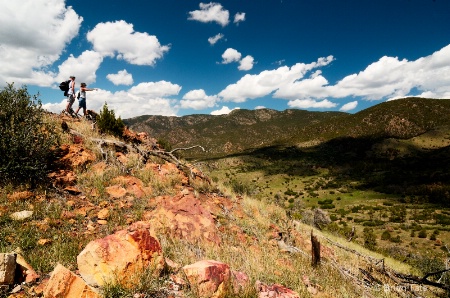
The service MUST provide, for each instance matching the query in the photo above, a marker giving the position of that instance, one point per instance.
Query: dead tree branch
(188, 148)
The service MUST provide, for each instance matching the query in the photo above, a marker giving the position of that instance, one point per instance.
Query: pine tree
(108, 123)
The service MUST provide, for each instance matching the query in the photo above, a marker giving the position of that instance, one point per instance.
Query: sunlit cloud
(223, 111)
(213, 40)
(210, 12)
(349, 106)
(122, 77)
(118, 39)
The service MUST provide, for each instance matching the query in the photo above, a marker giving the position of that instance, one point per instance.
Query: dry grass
(259, 257)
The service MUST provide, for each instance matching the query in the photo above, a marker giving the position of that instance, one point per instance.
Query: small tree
(26, 138)
(370, 240)
(386, 235)
(108, 123)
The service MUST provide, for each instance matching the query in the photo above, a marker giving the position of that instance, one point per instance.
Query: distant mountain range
(246, 130)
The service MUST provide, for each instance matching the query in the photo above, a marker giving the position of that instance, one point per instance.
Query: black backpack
(64, 86)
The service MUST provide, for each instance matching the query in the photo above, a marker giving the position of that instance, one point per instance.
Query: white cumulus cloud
(84, 67)
(268, 81)
(231, 55)
(198, 100)
(310, 103)
(349, 106)
(211, 12)
(155, 89)
(118, 39)
(223, 111)
(239, 17)
(246, 63)
(122, 77)
(33, 35)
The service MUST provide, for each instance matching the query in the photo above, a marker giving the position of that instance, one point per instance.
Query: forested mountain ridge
(242, 130)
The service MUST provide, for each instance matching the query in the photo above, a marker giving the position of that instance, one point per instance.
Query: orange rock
(76, 155)
(119, 256)
(43, 242)
(20, 196)
(103, 214)
(116, 191)
(65, 284)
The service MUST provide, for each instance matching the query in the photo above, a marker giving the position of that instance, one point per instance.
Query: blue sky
(182, 57)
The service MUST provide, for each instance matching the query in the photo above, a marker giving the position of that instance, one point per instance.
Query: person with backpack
(70, 94)
(81, 95)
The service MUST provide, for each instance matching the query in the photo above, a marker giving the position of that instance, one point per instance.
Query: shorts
(82, 103)
(70, 98)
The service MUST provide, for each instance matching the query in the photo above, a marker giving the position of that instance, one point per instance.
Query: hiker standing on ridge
(82, 98)
(70, 94)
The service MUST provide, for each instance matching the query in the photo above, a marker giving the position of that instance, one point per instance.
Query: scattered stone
(240, 281)
(116, 191)
(65, 284)
(274, 291)
(21, 215)
(102, 222)
(28, 274)
(73, 190)
(210, 278)
(43, 242)
(76, 155)
(7, 268)
(103, 214)
(20, 196)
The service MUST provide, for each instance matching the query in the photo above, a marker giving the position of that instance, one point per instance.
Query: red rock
(185, 217)
(275, 291)
(209, 278)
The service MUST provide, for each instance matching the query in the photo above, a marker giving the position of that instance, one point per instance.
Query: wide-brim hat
(83, 84)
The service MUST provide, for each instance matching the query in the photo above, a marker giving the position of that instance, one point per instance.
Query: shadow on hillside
(421, 173)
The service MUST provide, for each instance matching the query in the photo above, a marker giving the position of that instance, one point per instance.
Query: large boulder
(119, 256)
(184, 216)
(65, 284)
(209, 278)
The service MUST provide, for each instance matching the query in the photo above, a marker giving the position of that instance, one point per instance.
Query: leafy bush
(26, 138)
(108, 123)
(386, 235)
(165, 144)
(423, 234)
(370, 241)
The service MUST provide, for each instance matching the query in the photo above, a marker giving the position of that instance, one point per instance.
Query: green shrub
(422, 234)
(165, 144)
(396, 239)
(386, 235)
(26, 138)
(108, 123)
(370, 241)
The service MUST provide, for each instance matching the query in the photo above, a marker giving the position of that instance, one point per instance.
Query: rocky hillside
(225, 134)
(245, 130)
(128, 219)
